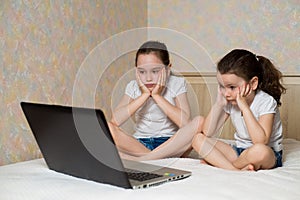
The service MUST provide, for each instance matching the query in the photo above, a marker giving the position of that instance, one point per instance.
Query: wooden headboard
(202, 92)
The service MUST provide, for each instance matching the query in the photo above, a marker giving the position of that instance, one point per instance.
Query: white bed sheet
(33, 180)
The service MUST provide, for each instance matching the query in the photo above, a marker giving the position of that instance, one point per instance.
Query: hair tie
(256, 57)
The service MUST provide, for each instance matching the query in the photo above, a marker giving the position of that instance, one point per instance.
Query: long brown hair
(247, 65)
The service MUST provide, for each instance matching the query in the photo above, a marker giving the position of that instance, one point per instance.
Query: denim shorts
(152, 142)
(278, 155)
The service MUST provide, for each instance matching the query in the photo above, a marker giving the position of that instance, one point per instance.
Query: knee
(259, 152)
(112, 127)
(198, 119)
(198, 140)
(198, 122)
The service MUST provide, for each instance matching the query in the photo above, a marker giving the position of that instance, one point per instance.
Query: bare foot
(204, 162)
(249, 167)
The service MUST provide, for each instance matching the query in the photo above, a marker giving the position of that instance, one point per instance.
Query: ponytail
(246, 65)
(271, 79)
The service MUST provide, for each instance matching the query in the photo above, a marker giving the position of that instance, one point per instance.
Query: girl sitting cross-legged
(249, 93)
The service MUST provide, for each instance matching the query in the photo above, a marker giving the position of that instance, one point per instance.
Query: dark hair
(155, 47)
(247, 65)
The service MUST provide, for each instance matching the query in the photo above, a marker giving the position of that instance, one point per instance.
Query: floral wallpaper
(42, 46)
(265, 27)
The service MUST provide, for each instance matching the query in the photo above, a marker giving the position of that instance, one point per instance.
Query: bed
(33, 180)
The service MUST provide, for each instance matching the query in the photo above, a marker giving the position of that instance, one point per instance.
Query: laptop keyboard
(141, 176)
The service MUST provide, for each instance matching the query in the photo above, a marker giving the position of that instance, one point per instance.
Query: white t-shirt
(262, 104)
(151, 121)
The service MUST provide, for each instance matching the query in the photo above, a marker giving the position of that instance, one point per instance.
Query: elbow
(196, 123)
(262, 140)
(199, 121)
(114, 121)
(184, 120)
(259, 142)
(198, 143)
(266, 141)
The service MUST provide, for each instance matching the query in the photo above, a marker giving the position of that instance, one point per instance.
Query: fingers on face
(138, 78)
(245, 90)
(162, 78)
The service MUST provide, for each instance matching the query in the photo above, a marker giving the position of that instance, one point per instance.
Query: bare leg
(186, 153)
(215, 152)
(258, 156)
(126, 143)
(177, 145)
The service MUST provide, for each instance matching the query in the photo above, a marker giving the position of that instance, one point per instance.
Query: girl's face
(149, 67)
(229, 85)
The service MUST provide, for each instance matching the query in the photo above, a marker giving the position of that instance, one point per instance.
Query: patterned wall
(266, 27)
(42, 46)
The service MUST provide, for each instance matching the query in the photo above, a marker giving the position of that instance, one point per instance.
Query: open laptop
(77, 141)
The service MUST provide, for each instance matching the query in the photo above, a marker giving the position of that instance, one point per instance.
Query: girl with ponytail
(249, 93)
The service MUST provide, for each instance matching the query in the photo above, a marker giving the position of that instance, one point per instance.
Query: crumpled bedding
(33, 180)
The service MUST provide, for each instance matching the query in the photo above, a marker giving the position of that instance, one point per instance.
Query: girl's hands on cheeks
(243, 92)
(221, 100)
(161, 83)
(141, 85)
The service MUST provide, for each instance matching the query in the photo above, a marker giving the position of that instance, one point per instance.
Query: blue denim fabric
(152, 142)
(278, 155)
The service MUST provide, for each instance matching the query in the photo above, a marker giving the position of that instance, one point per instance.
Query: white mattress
(33, 180)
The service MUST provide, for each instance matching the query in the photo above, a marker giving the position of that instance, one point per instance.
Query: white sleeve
(182, 86)
(132, 90)
(267, 106)
(179, 86)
